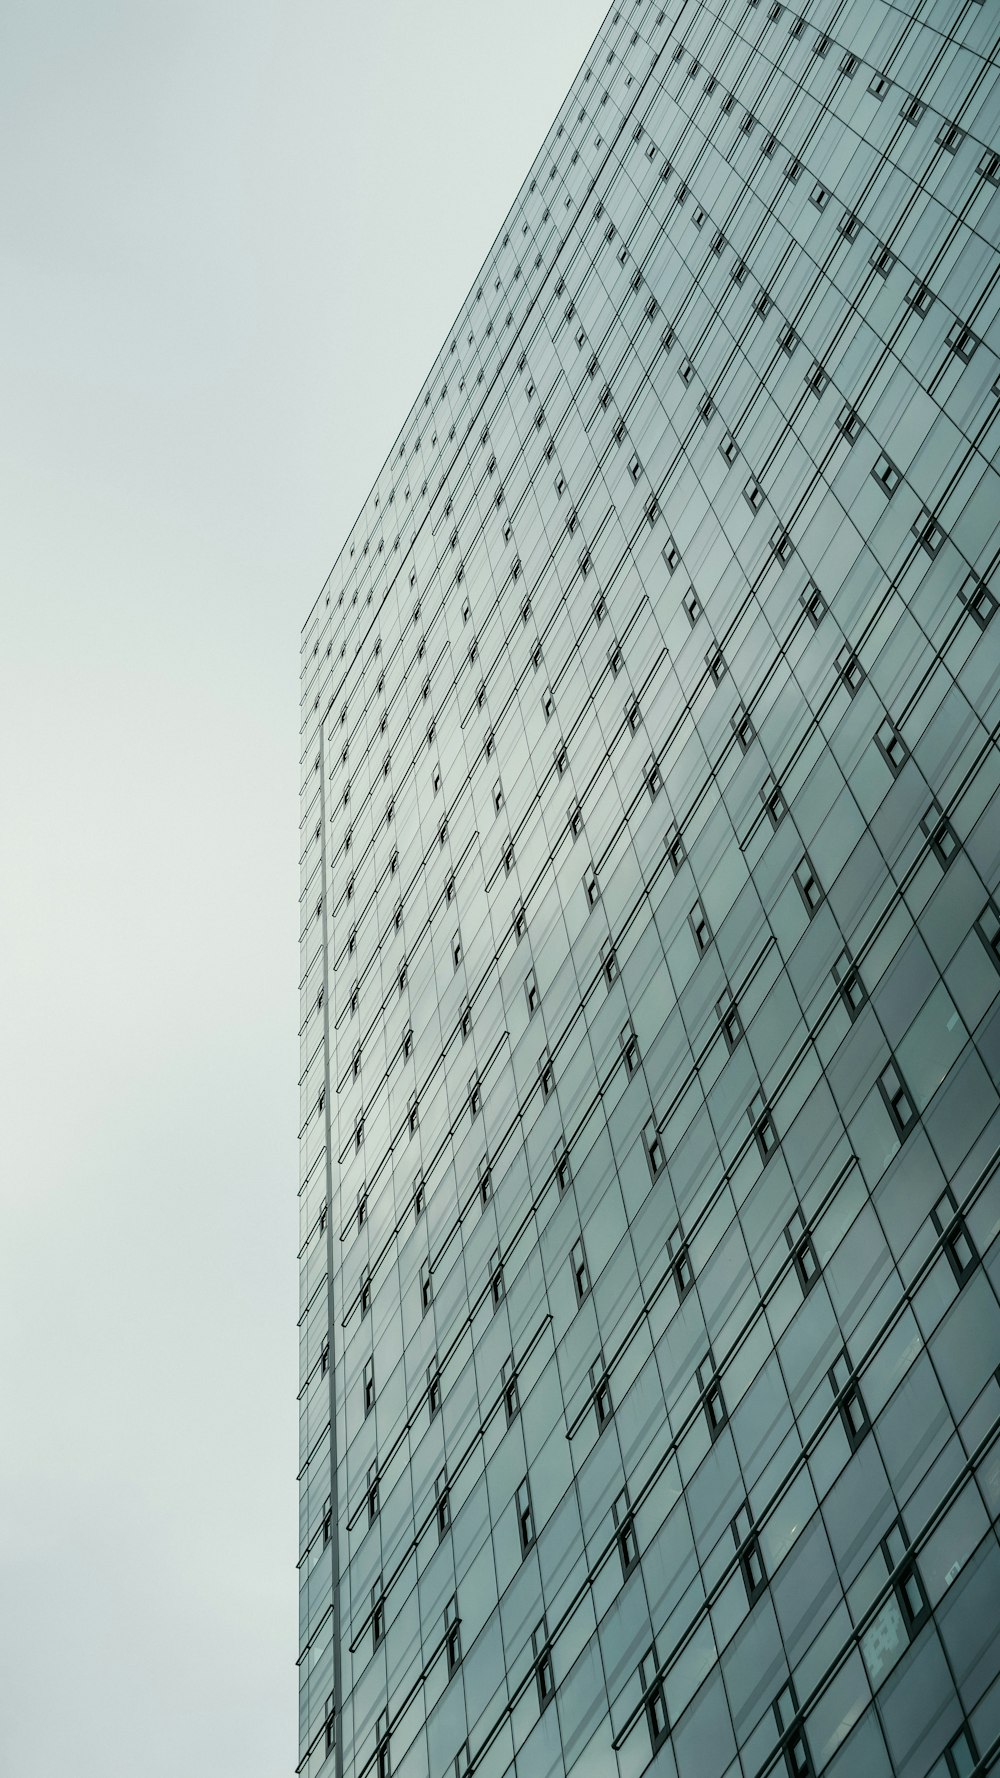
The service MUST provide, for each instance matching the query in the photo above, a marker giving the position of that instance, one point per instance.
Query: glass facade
(650, 981)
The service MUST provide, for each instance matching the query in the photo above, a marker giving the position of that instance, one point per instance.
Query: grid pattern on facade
(650, 976)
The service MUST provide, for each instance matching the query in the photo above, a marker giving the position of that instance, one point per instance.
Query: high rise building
(651, 948)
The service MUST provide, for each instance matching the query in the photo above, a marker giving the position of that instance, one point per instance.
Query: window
(419, 1198)
(525, 1517)
(675, 847)
(743, 729)
(433, 1387)
(730, 1023)
(452, 1634)
(749, 1554)
(372, 1490)
(813, 604)
(563, 1172)
(544, 1675)
(808, 886)
(847, 1394)
(941, 835)
(591, 887)
(960, 1755)
(803, 1252)
(852, 990)
(929, 533)
(710, 1387)
(774, 802)
(578, 1267)
(906, 1584)
(887, 475)
(496, 1279)
(365, 1290)
(383, 1765)
(628, 1543)
(956, 1241)
(691, 606)
(849, 669)
(369, 1385)
(442, 1503)
(426, 1292)
(978, 600)
(378, 1613)
(546, 1074)
(680, 1262)
(600, 1384)
(716, 664)
(509, 1389)
(475, 1096)
(763, 1126)
(987, 926)
(652, 1142)
(700, 928)
(654, 1700)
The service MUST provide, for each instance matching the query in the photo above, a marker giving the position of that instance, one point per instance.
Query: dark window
(442, 1503)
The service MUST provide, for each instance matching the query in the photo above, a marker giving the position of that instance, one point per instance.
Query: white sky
(231, 240)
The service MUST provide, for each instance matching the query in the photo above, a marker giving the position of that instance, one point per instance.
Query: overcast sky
(231, 240)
